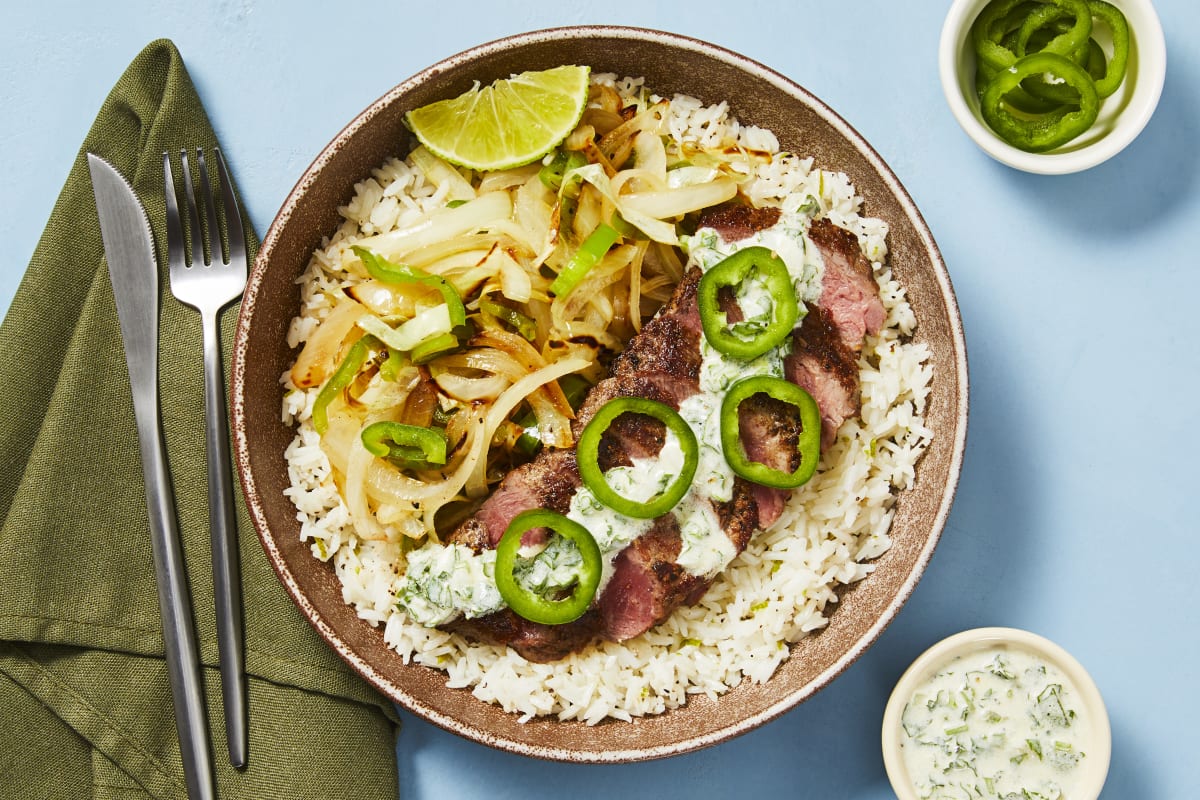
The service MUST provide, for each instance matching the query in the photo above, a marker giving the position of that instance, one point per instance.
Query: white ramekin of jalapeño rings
(1052, 86)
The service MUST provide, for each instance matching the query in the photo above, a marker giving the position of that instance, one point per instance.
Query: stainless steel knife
(129, 248)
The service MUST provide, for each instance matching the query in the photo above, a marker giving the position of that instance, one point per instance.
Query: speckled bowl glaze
(669, 63)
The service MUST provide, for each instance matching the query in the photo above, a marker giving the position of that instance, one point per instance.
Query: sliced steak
(663, 363)
(534, 641)
(548, 481)
(648, 583)
(822, 365)
(664, 387)
(769, 432)
(630, 436)
(668, 345)
(735, 221)
(849, 294)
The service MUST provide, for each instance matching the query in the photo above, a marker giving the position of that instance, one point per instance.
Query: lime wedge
(512, 122)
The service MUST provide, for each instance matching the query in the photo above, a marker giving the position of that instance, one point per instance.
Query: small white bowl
(1122, 116)
(936, 658)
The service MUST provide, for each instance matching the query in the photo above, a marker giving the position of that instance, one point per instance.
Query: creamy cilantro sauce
(443, 582)
(1002, 723)
(437, 588)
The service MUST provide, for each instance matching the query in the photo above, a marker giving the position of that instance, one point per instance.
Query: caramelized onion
(476, 484)
(319, 357)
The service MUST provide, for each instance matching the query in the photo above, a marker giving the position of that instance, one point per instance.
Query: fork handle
(227, 583)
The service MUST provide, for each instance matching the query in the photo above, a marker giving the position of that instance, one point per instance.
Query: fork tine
(175, 253)
(233, 213)
(214, 233)
(193, 215)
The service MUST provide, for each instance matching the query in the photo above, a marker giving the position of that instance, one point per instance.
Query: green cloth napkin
(85, 706)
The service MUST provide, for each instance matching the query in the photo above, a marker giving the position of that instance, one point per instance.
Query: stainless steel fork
(208, 285)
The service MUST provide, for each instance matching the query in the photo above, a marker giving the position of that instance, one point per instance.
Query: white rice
(774, 593)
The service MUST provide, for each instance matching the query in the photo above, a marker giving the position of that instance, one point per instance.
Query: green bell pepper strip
(808, 443)
(1034, 95)
(535, 607)
(731, 272)
(1048, 131)
(1001, 17)
(594, 248)
(431, 348)
(383, 270)
(1096, 63)
(408, 443)
(1041, 37)
(588, 453)
(1018, 98)
(355, 357)
(551, 175)
(1119, 63)
(522, 324)
(625, 228)
(391, 366)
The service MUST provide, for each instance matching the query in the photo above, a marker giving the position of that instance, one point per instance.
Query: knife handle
(179, 637)
(227, 584)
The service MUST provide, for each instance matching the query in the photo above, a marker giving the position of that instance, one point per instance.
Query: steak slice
(647, 582)
(769, 431)
(849, 294)
(668, 345)
(822, 365)
(548, 481)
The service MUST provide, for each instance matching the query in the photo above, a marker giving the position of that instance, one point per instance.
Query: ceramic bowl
(1091, 709)
(1122, 115)
(670, 64)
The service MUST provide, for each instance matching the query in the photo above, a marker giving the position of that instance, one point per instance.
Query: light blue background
(1074, 517)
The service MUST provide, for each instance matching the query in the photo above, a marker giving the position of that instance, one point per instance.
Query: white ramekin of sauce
(993, 712)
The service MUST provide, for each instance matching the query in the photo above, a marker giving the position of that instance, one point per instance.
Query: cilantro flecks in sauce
(1000, 723)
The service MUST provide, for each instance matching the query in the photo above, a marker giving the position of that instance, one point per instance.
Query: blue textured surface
(1077, 293)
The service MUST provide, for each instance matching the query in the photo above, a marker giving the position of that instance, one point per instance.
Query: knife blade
(133, 269)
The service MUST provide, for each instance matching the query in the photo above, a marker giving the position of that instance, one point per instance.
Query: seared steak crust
(736, 221)
(534, 641)
(769, 431)
(630, 436)
(668, 343)
(647, 582)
